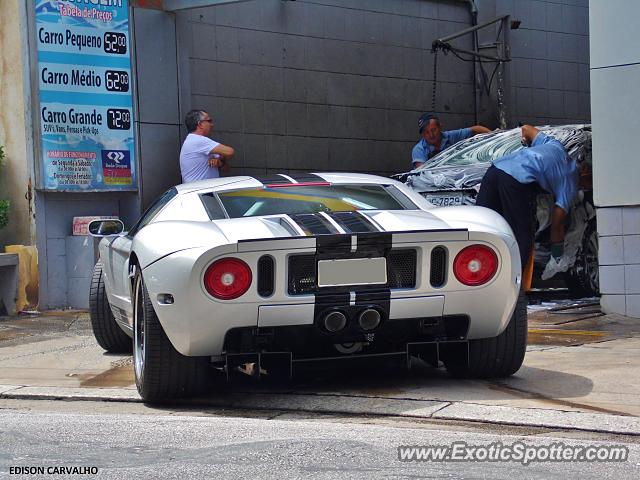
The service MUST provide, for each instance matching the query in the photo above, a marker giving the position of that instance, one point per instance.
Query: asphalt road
(135, 441)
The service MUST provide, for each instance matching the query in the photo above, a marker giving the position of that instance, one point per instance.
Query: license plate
(353, 271)
(445, 200)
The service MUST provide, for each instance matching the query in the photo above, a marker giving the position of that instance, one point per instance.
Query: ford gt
(285, 269)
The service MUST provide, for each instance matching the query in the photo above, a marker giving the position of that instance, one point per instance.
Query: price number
(116, 80)
(115, 42)
(118, 119)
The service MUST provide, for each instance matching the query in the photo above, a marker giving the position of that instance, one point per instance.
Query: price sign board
(86, 104)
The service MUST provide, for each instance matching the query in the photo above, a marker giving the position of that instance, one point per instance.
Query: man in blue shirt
(509, 188)
(434, 140)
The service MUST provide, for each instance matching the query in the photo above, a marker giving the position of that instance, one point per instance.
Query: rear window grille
(438, 267)
(266, 272)
(302, 274)
(313, 224)
(401, 269)
(353, 222)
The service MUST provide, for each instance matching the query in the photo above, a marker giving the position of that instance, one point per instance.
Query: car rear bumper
(197, 324)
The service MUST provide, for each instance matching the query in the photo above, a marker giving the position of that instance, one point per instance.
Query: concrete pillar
(615, 74)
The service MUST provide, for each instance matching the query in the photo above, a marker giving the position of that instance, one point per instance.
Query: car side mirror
(103, 228)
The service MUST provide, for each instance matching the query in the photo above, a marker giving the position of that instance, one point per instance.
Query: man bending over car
(509, 188)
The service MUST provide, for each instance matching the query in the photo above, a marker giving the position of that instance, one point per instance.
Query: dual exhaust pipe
(368, 319)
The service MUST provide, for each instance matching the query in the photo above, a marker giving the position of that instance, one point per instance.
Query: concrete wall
(615, 73)
(331, 85)
(66, 262)
(15, 115)
(339, 84)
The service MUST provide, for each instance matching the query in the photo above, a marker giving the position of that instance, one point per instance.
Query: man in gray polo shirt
(201, 157)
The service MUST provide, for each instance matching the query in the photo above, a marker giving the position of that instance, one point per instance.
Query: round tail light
(475, 265)
(227, 278)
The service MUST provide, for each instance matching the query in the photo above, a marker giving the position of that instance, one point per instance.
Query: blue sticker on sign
(116, 167)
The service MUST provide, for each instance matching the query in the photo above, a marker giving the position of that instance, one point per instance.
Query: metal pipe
(473, 29)
(175, 5)
(465, 51)
(474, 23)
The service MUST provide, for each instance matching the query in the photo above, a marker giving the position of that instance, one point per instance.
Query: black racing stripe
(333, 246)
(374, 244)
(354, 222)
(307, 177)
(273, 180)
(330, 298)
(314, 224)
(339, 297)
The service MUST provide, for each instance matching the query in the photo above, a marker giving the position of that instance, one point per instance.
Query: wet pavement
(578, 362)
(569, 323)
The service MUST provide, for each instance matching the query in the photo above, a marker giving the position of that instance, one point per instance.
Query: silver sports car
(273, 271)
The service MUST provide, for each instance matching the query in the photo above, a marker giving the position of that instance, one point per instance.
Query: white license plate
(445, 200)
(352, 271)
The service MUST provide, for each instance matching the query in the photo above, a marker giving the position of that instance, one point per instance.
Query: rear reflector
(475, 265)
(227, 278)
(266, 273)
(438, 273)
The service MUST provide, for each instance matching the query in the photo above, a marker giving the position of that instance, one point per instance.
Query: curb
(360, 405)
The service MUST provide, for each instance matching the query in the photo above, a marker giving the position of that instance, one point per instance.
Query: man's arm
(223, 155)
(558, 216)
(529, 134)
(224, 151)
(418, 156)
(476, 129)
(557, 262)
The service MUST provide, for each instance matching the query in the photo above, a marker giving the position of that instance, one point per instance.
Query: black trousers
(513, 200)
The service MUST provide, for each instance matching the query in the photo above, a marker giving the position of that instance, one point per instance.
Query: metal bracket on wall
(501, 43)
(503, 55)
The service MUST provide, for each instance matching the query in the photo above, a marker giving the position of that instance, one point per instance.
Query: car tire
(161, 372)
(499, 356)
(108, 333)
(582, 279)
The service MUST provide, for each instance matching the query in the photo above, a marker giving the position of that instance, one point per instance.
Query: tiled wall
(619, 257)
